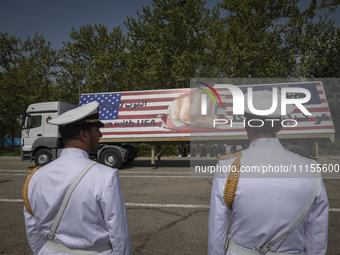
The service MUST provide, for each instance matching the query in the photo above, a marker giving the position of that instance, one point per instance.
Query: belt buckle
(263, 249)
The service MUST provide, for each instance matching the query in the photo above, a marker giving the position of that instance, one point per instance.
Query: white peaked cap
(85, 114)
(263, 100)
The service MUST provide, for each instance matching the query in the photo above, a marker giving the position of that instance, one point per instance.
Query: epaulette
(232, 180)
(230, 155)
(25, 190)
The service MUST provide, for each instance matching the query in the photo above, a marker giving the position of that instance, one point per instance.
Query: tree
(166, 43)
(326, 65)
(28, 76)
(309, 34)
(326, 61)
(265, 38)
(95, 62)
(8, 50)
(332, 89)
(39, 63)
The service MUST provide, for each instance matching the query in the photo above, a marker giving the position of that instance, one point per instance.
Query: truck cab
(40, 140)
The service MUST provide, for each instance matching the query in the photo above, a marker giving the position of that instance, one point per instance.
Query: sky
(53, 19)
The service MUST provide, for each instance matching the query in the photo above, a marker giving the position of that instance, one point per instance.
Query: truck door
(37, 126)
(33, 130)
(49, 129)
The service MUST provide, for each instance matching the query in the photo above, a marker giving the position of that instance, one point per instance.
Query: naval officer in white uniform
(265, 211)
(94, 220)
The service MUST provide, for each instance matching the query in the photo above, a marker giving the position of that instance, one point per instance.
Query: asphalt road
(167, 207)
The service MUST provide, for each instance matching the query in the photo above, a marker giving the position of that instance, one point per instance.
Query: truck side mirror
(23, 119)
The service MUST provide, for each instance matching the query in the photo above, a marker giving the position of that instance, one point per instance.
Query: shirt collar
(74, 152)
(266, 143)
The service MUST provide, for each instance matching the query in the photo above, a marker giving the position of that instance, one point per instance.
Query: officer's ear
(277, 126)
(83, 135)
(250, 131)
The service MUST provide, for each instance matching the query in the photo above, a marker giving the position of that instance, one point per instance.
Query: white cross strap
(67, 198)
(265, 248)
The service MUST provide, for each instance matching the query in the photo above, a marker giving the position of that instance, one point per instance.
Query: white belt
(59, 247)
(240, 250)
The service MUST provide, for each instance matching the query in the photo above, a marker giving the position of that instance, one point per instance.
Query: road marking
(127, 176)
(15, 171)
(137, 176)
(12, 200)
(166, 205)
(153, 205)
(14, 174)
(155, 176)
(154, 172)
(132, 204)
(120, 172)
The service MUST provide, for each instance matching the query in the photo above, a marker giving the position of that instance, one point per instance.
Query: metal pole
(153, 154)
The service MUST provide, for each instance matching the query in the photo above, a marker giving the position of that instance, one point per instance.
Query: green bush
(330, 145)
(144, 150)
(9, 152)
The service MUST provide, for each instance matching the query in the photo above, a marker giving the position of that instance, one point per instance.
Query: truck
(41, 140)
(172, 116)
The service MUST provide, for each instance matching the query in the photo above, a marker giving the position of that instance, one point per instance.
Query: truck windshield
(34, 121)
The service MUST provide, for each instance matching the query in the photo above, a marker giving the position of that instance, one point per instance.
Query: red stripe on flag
(144, 133)
(156, 92)
(142, 116)
(145, 108)
(148, 100)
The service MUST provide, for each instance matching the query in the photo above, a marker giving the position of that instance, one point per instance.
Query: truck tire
(111, 157)
(42, 156)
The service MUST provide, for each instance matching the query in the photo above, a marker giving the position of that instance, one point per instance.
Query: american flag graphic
(136, 113)
(109, 104)
(145, 113)
(320, 122)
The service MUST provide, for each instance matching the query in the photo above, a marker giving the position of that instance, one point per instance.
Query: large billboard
(207, 110)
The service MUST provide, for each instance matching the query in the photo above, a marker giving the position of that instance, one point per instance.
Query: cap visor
(99, 124)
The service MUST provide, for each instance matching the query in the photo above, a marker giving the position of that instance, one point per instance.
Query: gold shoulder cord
(25, 189)
(232, 180)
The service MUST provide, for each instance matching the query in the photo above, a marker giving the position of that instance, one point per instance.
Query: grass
(144, 150)
(9, 152)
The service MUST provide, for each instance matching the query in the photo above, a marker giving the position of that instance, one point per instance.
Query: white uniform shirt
(266, 207)
(95, 213)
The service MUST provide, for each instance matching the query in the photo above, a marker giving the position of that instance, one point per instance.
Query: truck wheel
(42, 156)
(111, 157)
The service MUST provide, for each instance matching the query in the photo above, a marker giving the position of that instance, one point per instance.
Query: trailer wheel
(42, 156)
(111, 157)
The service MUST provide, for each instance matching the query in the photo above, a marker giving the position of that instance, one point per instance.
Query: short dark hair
(269, 127)
(71, 132)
